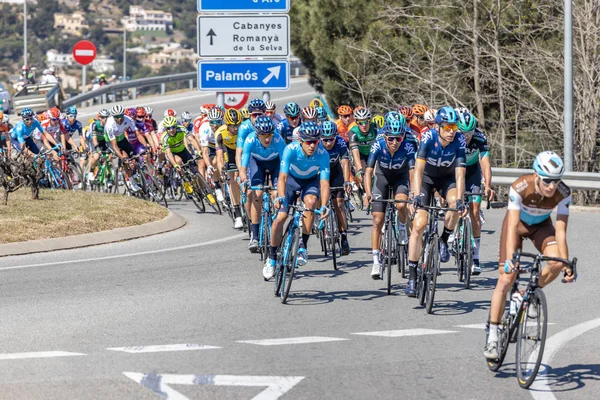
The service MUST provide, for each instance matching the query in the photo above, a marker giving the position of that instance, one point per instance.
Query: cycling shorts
(442, 184)
(29, 143)
(542, 235)
(304, 186)
(184, 155)
(336, 179)
(102, 146)
(400, 183)
(257, 171)
(473, 183)
(126, 147)
(138, 147)
(229, 158)
(364, 157)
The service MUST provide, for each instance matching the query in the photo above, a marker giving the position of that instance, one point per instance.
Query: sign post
(84, 52)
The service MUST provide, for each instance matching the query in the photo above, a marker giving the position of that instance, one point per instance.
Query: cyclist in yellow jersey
(225, 140)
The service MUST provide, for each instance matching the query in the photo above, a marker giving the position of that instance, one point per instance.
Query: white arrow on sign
(274, 72)
(159, 383)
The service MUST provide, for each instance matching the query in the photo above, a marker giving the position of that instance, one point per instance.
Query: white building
(140, 19)
(62, 60)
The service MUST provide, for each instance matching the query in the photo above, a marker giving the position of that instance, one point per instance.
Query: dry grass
(59, 213)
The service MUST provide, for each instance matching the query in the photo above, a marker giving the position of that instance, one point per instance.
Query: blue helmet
(394, 116)
(257, 105)
(263, 125)
(394, 128)
(329, 129)
(321, 114)
(27, 113)
(71, 111)
(310, 131)
(291, 109)
(446, 114)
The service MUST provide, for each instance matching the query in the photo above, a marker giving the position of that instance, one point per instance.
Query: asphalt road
(187, 315)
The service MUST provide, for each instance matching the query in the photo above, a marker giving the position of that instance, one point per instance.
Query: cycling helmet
(27, 113)
(466, 122)
(329, 129)
(395, 128)
(461, 110)
(407, 112)
(419, 109)
(149, 111)
(344, 110)
(186, 116)
(41, 117)
(310, 131)
(170, 113)
(245, 113)
(140, 112)
(321, 114)
(54, 113)
(215, 114)
(429, 115)
(548, 164)
(270, 106)
(257, 106)
(309, 113)
(291, 110)
(379, 121)
(446, 114)
(117, 110)
(104, 113)
(315, 103)
(71, 111)
(362, 113)
(233, 117)
(203, 109)
(169, 122)
(130, 112)
(395, 116)
(264, 125)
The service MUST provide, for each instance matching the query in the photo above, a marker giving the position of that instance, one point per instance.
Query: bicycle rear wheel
(332, 232)
(431, 273)
(402, 251)
(531, 338)
(467, 252)
(389, 253)
(197, 196)
(290, 259)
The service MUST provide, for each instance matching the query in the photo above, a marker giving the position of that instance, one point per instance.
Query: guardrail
(575, 180)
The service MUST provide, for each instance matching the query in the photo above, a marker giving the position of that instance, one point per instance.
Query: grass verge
(60, 213)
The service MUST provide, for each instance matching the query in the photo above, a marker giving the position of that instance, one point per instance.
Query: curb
(170, 223)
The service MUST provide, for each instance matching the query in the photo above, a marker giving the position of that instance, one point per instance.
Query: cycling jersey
(362, 141)
(398, 163)
(277, 119)
(97, 130)
(441, 161)
(175, 143)
(198, 123)
(71, 129)
(254, 149)
(4, 131)
(224, 138)
(153, 123)
(54, 130)
(245, 129)
(295, 162)
(338, 152)
(343, 130)
(476, 149)
(535, 208)
(286, 130)
(417, 130)
(23, 133)
(117, 131)
(207, 136)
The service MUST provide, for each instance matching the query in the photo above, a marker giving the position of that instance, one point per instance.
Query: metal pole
(266, 96)
(25, 32)
(568, 100)
(124, 54)
(83, 78)
(220, 99)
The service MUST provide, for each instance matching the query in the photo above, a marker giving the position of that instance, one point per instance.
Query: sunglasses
(216, 123)
(449, 127)
(140, 117)
(548, 181)
(310, 142)
(266, 134)
(71, 116)
(294, 118)
(328, 140)
(420, 117)
(120, 116)
(54, 119)
(363, 123)
(103, 117)
(345, 116)
(27, 119)
(392, 139)
(170, 128)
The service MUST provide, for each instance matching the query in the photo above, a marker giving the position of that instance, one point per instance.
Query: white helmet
(186, 115)
(51, 70)
(429, 115)
(548, 164)
(148, 110)
(117, 110)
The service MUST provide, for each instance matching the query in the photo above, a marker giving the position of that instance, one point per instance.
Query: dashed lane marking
(295, 340)
(162, 348)
(405, 332)
(38, 354)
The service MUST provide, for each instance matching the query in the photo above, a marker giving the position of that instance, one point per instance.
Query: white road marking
(141, 253)
(159, 383)
(540, 389)
(482, 326)
(162, 348)
(405, 332)
(295, 340)
(38, 354)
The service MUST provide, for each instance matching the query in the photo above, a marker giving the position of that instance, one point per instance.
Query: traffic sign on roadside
(244, 36)
(84, 52)
(267, 6)
(242, 75)
(236, 100)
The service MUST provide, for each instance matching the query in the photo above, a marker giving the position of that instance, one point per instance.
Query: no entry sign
(84, 52)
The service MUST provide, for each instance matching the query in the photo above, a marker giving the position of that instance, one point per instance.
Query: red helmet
(54, 113)
(407, 112)
(170, 113)
(140, 112)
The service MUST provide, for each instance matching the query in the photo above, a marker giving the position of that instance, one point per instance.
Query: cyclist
(362, 136)
(262, 152)
(379, 120)
(308, 114)
(72, 125)
(136, 136)
(99, 140)
(304, 168)
(339, 175)
(271, 107)
(5, 128)
(418, 126)
(226, 138)
(245, 114)
(21, 135)
(429, 118)
(316, 102)
(256, 108)
(55, 133)
(440, 166)
(209, 146)
(478, 164)
(322, 115)
(186, 121)
(149, 118)
(408, 134)
(173, 143)
(345, 122)
(291, 122)
(407, 112)
(531, 200)
(391, 160)
(117, 125)
(201, 119)
(168, 113)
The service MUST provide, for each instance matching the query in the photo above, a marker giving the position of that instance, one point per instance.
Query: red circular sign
(84, 52)
(236, 100)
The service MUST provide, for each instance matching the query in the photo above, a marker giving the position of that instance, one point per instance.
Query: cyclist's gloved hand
(245, 185)
(324, 211)
(210, 169)
(417, 201)
(279, 202)
(509, 267)
(460, 206)
(360, 173)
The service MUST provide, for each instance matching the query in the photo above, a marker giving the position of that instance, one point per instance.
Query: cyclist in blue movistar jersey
(440, 166)
(21, 135)
(256, 108)
(291, 122)
(304, 168)
(262, 153)
(393, 159)
(339, 176)
(72, 125)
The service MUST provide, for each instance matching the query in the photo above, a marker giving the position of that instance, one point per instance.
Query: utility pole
(124, 53)
(568, 99)
(25, 32)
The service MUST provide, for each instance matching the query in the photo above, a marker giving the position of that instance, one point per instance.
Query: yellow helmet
(169, 122)
(233, 117)
(379, 121)
(245, 113)
(316, 103)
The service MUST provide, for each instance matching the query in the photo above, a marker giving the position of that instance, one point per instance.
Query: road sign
(244, 36)
(267, 6)
(236, 100)
(242, 75)
(84, 52)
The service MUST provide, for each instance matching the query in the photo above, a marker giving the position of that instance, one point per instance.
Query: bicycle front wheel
(431, 273)
(531, 338)
(290, 259)
(389, 252)
(468, 252)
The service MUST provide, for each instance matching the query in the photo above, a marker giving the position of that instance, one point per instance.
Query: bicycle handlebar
(262, 187)
(571, 264)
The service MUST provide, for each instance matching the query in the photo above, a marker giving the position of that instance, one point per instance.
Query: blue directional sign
(243, 75)
(268, 6)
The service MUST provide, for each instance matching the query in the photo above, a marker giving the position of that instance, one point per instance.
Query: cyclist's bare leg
(338, 205)
(234, 188)
(416, 237)
(474, 208)
(503, 286)
(376, 230)
(310, 202)
(552, 268)
(402, 208)
(451, 216)
(256, 205)
(277, 228)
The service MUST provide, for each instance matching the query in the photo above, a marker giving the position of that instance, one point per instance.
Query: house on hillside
(172, 55)
(140, 19)
(73, 24)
